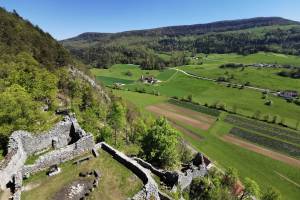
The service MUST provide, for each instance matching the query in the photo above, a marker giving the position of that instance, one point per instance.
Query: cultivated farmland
(175, 89)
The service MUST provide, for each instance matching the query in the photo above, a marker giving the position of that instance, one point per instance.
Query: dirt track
(187, 116)
(263, 151)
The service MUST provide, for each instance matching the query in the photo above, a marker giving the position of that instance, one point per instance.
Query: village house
(149, 79)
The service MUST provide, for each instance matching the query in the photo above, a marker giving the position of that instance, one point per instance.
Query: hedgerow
(195, 107)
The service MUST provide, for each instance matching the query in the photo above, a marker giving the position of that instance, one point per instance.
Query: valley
(212, 137)
(207, 111)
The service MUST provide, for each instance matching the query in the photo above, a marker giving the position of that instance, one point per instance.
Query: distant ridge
(195, 29)
(145, 47)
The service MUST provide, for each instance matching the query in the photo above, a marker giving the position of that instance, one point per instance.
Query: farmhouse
(149, 79)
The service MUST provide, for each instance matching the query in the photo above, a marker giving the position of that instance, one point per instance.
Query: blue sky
(68, 18)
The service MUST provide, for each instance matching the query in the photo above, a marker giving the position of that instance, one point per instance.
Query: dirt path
(175, 113)
(30, 186)
(5, 194)
(260, 150)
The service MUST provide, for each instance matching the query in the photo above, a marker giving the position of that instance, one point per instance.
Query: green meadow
(265, 171)
(244, 101)
(262, 169)
(259, 77)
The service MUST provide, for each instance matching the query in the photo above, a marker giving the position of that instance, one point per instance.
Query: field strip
(287, 179)
(160, 109)
(261, 150)
(187, 112)
(185, 131)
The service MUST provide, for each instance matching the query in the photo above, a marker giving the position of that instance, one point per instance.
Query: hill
(19, 35)
(145, 47)
(35, 81)
(196, 29)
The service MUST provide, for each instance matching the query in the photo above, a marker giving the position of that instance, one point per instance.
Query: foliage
(18, 111)
(271, 194)
(19, 35)
(144, 47)
(159, 144)
(105, 134)
(195, 107)
(230, 178)
(117, 118)
(212, 187)
(185, 153)
(250, 189)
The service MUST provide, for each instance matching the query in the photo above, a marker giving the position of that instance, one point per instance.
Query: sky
(68, 18)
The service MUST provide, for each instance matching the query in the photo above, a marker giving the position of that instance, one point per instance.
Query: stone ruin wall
(14, 160)
(150, 189)
(23, 144)
(60, 133)
(59, 156)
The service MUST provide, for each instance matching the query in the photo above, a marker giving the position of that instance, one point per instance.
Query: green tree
(139, 129)
(159, 144)
(251, 188)
(117, 118)
(271, 194)
(105, 134)
(18, 111)
(230, 177)
(200, 189)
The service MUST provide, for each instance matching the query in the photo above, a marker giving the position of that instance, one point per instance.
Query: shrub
(128, 73)
(105, 134)
(268, 102)
(159, 144)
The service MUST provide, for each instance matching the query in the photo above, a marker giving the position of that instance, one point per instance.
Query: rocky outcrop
(92, 82)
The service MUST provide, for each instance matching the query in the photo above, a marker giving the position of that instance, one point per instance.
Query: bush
(105, 135)
(128, 73)
(268, 102)
(159, 144)
(203, 109)
(185, 153)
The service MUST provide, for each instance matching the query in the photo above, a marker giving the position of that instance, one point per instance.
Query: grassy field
(113, 184)
(265, 78)
(245, 101)
(262, 169)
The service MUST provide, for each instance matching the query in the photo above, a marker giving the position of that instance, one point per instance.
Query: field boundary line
(287, 179)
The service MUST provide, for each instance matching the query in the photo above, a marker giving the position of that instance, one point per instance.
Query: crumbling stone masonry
(69, 141)
(150, 189)
(66, 138)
